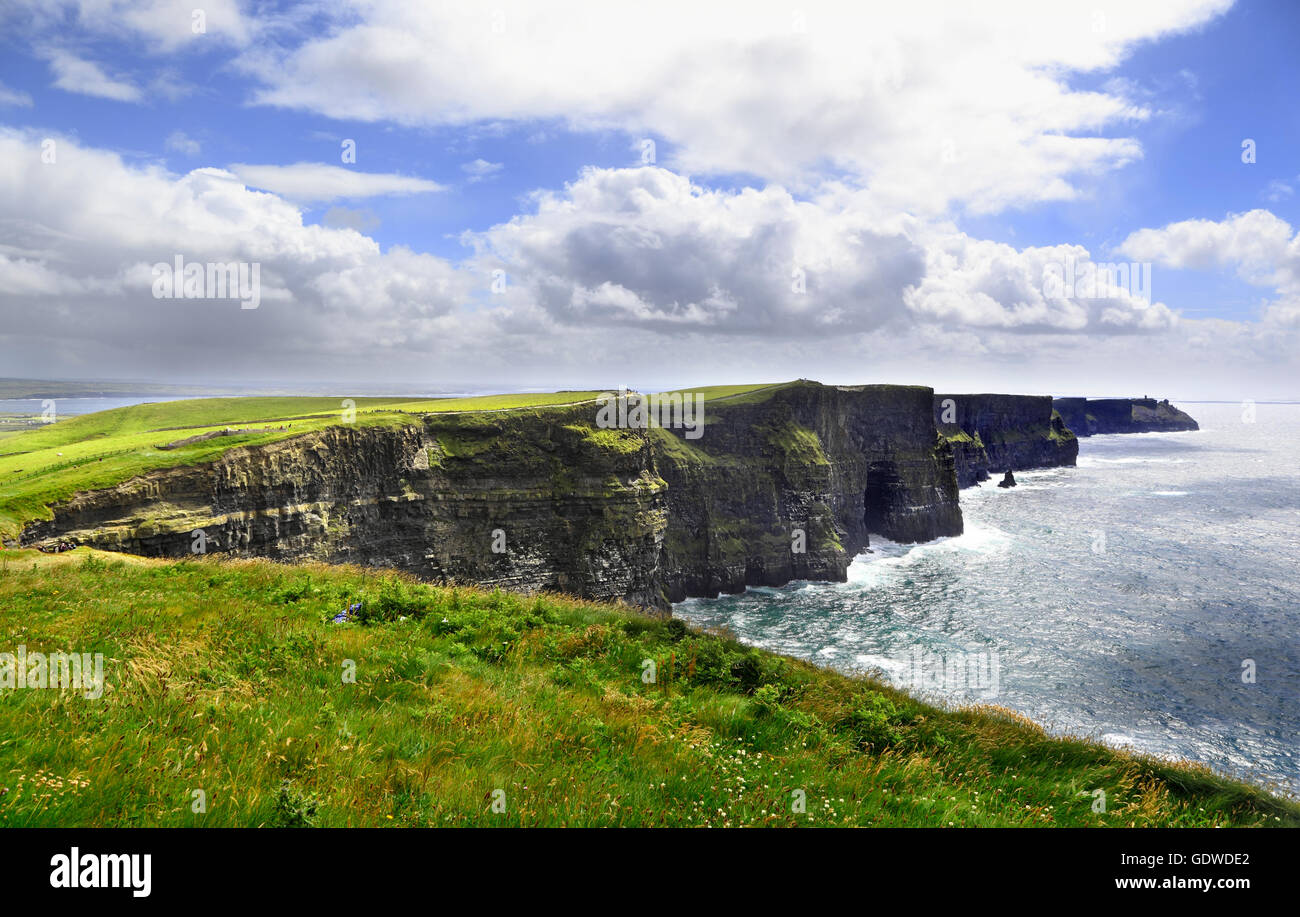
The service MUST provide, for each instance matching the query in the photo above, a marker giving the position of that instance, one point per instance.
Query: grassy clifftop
(42, 466)
(228, 677)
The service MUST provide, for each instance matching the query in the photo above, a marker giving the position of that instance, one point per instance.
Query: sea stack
(1008, 480)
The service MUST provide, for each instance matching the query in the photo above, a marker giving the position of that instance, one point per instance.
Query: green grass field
(732, 393)
(92, 451)
(41, 466)
(227, 677)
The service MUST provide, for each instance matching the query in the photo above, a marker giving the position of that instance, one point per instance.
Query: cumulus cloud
(1260, 246)
(22, 277)
(649, 247)
(620, 261)
(924, 116)
(314, 182)
(849, 143)
(1257, 241)
(83, 275)
(924, 103)
(979, 283)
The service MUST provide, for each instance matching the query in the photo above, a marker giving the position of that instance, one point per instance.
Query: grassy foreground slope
(228, 677)
(44, 465)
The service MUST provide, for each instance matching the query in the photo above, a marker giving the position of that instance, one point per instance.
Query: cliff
(1090, 416)
(817, 467)
(779, 487)
(999, 433)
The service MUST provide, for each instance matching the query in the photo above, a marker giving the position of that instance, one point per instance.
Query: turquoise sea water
(1129, 598)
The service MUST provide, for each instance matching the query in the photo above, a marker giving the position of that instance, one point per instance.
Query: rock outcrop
(1000, 432)
(814, 466)
(783, 485)
(1090, 416)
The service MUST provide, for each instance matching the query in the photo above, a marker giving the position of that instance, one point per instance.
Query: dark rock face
(781, 487)
(1008, 480)
(428, 499)
(818, 464)
(1090, 416)
(1003, 432)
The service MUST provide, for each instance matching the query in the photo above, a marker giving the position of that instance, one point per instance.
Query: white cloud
(648, 247)
(14, 97)
(165, 25)
(173, 23)
(83, 274)
(1258, 242)
(21, 277)
(1258, 245)
(480, 169)
(180, 142)
(72, 74)
(1278, 191)
(410, 286)
(925, 116)
(313, 182)
(625, 272)
(168, 84)
(979, 283)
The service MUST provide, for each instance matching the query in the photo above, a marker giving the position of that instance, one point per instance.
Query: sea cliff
(993, 434)
(780, 486)
(1090, 416)
(780, 483)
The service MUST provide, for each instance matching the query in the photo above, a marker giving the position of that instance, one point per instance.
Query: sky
(457, 195)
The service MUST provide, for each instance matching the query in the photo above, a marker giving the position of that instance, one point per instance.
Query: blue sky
(1231, 80)
(217, 114)
(808, 160)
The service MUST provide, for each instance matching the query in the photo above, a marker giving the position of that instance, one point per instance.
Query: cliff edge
(780, 485)
(993, 434)
(1091, 416)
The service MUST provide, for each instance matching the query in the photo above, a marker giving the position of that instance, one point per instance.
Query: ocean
(1149, 598)
(74, 405)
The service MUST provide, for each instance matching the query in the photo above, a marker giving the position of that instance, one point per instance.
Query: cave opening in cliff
(882, 478)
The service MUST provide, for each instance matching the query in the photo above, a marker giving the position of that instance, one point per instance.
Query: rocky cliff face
(999, 433)
(789, 487)
(1090, 416)
(779, 487)
(524, 501)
